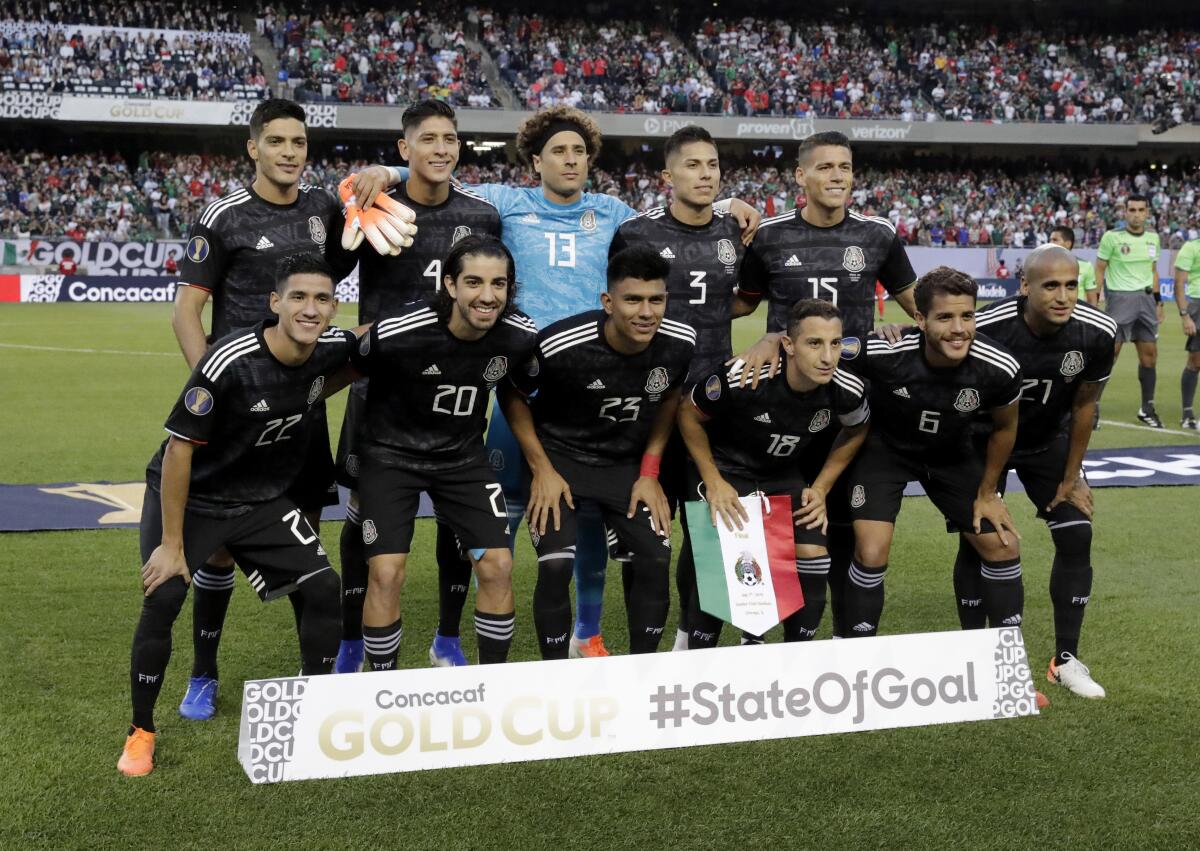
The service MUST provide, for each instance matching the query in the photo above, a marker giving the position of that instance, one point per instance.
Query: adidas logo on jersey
(793, 261)
(260, 407)
(763, 418)
(264, 244)
(596, 385)
(902, 392)
(432, 370)
(667, 253)
(531, 219)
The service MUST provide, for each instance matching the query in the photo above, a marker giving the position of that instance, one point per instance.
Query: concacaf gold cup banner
(304, 728)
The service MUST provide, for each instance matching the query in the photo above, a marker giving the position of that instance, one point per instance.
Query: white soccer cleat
(681, 640)
(1075, 677)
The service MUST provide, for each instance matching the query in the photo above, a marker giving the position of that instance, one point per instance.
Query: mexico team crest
(318, 386)
(747, 570)
(352, 465)
(460, 232)
(588, 220)
(819, 421)
(853, 260)
(726, 253)
(496, 459)
(858, 497)
(657, 381)
(496, 368)
(370, 533)
(316, 229)
(1072, 364)
(967, 401)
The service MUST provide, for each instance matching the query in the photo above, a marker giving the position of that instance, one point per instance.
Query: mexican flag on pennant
(747, 577)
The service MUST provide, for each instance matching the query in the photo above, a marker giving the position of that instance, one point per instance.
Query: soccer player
(1127, 276)
(752, 439)
(231, 255)
(431, 368)
(925, 391)
(1187, 299)
(444, 213)
(607, 386)
(1065, 236)
(705, 250)
(1065, 349)
(238, 436)
(829, 252)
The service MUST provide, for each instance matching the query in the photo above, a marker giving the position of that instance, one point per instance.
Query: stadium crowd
(376, 56)
(206, 16)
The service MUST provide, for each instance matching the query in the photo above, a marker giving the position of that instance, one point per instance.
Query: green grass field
(1118, 773)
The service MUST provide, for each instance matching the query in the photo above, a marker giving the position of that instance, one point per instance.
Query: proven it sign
(379, 723)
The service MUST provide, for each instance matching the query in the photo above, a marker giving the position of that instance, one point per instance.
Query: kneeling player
(925, 391)
(746, 439)
(607, 389)
(238, 437)
(431, 369)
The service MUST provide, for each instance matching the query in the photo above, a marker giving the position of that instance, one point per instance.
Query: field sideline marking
(86, 351)
(1191, 434)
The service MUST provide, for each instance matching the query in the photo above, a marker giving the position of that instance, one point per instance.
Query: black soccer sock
(297, 601)
(382, 645)
(214, 588)
(814, 578)
(968, 587)
(647, 601)
(1003, 592)
(494, 635)
(864, 599)
(704, 630)
(841, 552)
(1146, 377)
(1187, 389)
(454, 581)
(552, 605)
(685, 577)
(320, 627)
(1070, 582)
(354, 578)
(152, 648)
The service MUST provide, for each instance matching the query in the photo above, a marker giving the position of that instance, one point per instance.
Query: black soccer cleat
(1149, 417)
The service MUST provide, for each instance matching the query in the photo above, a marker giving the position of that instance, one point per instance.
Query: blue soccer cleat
(446, 652)
(200, 702)
(349, 658)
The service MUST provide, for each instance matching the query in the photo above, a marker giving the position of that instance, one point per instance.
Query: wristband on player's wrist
(650, 465)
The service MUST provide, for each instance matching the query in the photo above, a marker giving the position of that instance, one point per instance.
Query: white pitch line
(1191, 434)
(86, 351)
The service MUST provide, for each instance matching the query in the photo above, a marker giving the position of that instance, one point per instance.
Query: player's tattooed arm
(646, 489)
(547, 489)
(811, 513)
(989, 505)
(1074, 487)
(721, 496)
(187, 322)
(168, 560)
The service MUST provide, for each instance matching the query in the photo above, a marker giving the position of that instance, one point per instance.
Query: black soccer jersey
(926, 412)
(791, 259)
(760, 433)
(428, 394)
(705, 263)
(387, 283)
(593, 403)
(1052, 368)
(250, 416)
(234, 249)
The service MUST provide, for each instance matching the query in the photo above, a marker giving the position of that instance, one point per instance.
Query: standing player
(705, 250)
(1127, 276)
(607, 389)
(1187, 299)
(828, 252)
(748, 440)
(444, 214)
(925, 391)
(431, 369)
(560, 237)
(1065, 237)
(1065, 349)
(237, 439)
(232, 253)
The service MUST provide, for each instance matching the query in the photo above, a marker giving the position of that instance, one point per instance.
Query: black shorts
(792, 486)
(468, 499)
(879, 474)
(316, 486)
(349, 459)
(837, 501)
(673, 472)
(273, 544)
(608, 488)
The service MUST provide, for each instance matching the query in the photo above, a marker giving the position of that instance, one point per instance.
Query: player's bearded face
(827, 175)
(433, 149)
(563, 163)
(814, 351)
(305, 308)
(637, 309)
(281, 151)
(479, 294)
(1052, 290)
(949, 327)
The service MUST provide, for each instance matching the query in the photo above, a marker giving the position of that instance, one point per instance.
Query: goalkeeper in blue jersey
(559, 236)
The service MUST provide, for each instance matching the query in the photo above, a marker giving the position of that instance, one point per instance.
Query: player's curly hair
(534, 131)
(942, 281)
